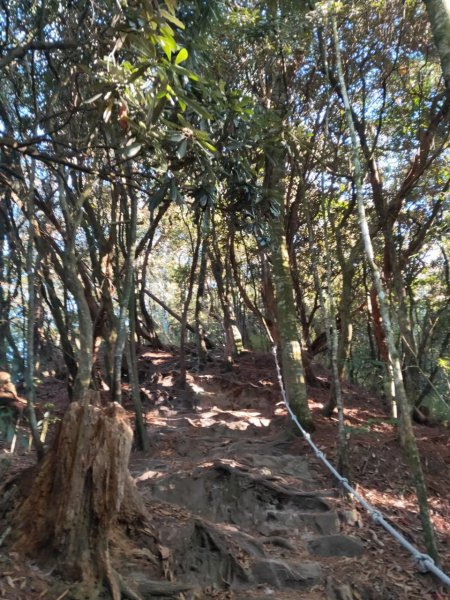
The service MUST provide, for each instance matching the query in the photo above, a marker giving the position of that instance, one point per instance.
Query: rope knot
(377, 517)
(422, 560)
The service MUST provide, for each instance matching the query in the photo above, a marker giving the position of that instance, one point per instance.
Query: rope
(424, 562)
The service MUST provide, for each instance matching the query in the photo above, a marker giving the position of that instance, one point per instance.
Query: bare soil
(241, 506)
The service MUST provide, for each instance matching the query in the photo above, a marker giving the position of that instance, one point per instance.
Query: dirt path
(241, 507)
(244, 510)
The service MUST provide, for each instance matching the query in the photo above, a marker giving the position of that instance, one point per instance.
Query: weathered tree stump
(81, 496)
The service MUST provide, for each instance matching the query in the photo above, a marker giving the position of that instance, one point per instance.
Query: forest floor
(242, 507)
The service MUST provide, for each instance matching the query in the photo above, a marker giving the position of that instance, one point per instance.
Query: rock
(338, 591)
(322, 523)
(225, 493)
(350, 517)
(336, 545)
(279, 573)
(344, 591)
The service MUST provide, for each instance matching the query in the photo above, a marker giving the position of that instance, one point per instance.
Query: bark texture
(409, 440)
(80, 492)
(291, 357)
(439, 16)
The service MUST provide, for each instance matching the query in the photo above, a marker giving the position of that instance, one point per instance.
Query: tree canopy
(226, 175)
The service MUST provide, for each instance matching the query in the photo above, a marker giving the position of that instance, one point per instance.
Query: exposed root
(281, 542)
(163, 588)
(123, 588)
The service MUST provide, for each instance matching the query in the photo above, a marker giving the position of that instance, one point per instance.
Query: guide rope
(424, 562)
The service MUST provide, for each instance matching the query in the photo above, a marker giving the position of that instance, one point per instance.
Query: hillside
(239, 505)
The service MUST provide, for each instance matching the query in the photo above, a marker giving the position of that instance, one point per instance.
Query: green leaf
(176, 137)
(171, 5)
(155, 113)
(182, 148)
(185, 72)
(172, 18)
(131, 150)
(201, 135)
(168, 44)
(196, 106)
(167, 31)
(181, 56)
(208, 145)
(157, 198)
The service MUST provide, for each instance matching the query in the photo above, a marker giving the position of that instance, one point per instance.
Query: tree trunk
(80, 492)
(410, 445)
(411, 368)
(126, 290)
(187, 303)
(142, 438)
(369, 318)
(202, 350)
(439, 16)
(175, 315)
(233, 337)
(305, 338)
(383, 352)
(290, 349)
(230, 294)
(56, 308)
(274, 190)
(10, 270)
(148, 320)
(72, 217)
(268, 299)
(343, 464)
(328, 311)
(243, 292)
(30, 338)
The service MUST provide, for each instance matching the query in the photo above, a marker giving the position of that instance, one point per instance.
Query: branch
(209, 343)
(19, 51)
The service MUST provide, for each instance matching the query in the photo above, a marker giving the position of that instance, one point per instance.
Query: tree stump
(81, 495)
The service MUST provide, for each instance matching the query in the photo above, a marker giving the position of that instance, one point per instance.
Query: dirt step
(238, 511)
(209, 554)
(286, 574)
(224, 493)
(285, 522)
(336, 545)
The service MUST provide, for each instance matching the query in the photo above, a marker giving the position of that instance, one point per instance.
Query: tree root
(164, 588)
(281, 542)
(149, 588)
(123, 588)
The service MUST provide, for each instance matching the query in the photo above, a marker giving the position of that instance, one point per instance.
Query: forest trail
(235, 510)
(241, 507)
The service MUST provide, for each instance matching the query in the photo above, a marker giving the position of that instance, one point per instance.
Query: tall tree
(412, 452)
(439, 15)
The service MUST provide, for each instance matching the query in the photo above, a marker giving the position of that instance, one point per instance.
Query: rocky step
(245, 525)
(207, 555)
(244, 533)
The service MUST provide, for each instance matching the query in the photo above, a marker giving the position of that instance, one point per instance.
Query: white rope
(424, 562)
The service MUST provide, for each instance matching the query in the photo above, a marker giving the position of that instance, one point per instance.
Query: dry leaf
(164, 552)
(145, 553)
